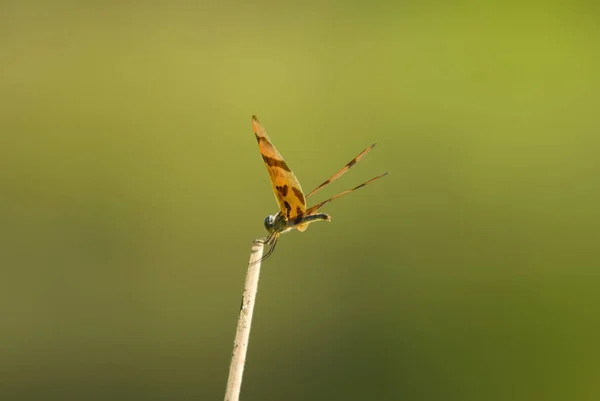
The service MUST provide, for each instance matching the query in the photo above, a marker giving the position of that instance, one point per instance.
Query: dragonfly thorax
(276, 223)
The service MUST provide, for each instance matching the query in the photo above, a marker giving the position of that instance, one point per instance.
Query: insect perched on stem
(288, 192)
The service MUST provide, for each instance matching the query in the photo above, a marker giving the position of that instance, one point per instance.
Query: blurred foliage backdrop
(131, 188)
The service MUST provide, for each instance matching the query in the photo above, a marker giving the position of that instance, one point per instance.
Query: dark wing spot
(276, 163)
(288, 209)
(260, 139)
(299, 216)
(299, 195)
(351, 163)
(283, 190)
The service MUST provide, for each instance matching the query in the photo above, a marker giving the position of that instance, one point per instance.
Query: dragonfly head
(270, 223)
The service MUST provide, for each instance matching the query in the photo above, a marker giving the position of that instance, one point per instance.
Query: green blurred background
(132, 187)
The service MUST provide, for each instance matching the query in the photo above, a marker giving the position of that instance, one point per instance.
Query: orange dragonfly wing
(287, 189)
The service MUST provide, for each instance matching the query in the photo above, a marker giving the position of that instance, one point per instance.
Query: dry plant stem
(242, 335)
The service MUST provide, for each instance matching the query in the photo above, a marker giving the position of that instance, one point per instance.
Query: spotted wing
(343, 170)
(313, 209)
(286, 187)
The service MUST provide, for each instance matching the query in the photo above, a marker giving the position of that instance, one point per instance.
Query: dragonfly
(293, 213)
